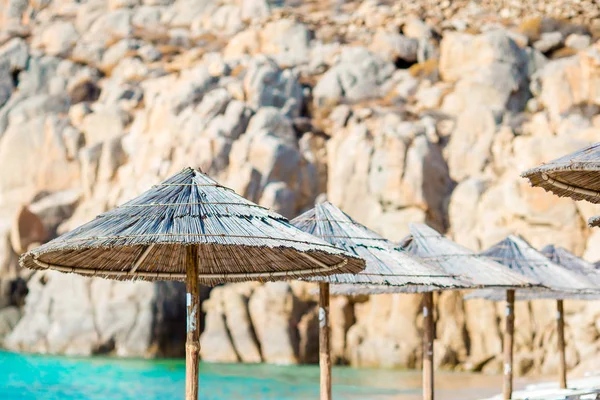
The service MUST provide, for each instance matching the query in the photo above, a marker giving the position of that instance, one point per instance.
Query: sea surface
(24, 377)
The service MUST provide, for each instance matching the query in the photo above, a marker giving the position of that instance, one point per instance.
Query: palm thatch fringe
(482, 272)
(146, 238)
(574, 175)
(412, 286)
(386, 263)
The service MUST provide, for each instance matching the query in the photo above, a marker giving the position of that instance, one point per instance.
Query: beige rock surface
(73, 315)
(410, 111)
(274, 311)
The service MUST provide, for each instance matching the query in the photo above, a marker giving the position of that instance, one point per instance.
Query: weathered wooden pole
(192, 343)
(560, 327)
(508, 344)
(324, 343)
(428, 346)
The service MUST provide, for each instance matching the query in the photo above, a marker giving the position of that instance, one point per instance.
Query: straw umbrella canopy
(435, 249)
(387, 264)
(515, 253)
(388, 267)
(558, 281)
(481, 272)
(578, 265)
(192, 229)
(566, 260)
(571, 262)
(575, 175)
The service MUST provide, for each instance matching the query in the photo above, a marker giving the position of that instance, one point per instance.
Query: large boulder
(14, 54)
(395, 47)
(252, 322)
(357, 76)
(275, 314)
(27, 229)
(463, 54)
(469, 151)
(36, 150)
(57, 39)
(9, 265)
(70, 314)
(488, 69)
(386, 332)
(565, 83)
(216, 343)
(267, 85)
(9, 317)
(341, 317)
(385, 165)
(267, 158)
(308, 333)
(484, 330)
(287, 41)
(104, 124)
(239, 325)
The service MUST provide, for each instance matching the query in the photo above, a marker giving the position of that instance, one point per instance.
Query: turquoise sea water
(25, 377)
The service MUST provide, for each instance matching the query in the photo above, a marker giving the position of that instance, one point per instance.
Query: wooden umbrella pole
(324, 342)
(192, 343)
(508, 344)
(428, 346)
(560, 326)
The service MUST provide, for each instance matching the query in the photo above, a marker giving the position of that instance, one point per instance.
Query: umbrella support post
(324, 342)
(192, 343)
(508, 345)
(560, 327)
(428, 346)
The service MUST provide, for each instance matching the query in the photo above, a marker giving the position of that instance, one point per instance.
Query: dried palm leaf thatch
(575, 175)
(386, 264)
(515, 253)
(570, 261)
(531, 294)
(559, 281)
(413, 286)
(146, 239)
(481, 272)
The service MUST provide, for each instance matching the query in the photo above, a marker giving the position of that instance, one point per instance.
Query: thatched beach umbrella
(434, 248)
(570, 261)
(518, 255)
(388, 267)
(192, 229)
(575, 175)
(578, 265)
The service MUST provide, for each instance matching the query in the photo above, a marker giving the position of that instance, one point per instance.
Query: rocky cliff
(396, 111)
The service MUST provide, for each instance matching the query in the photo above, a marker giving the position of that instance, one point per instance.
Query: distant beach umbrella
(484, 273)
(192, 229)
(389, 269)
(562, 274)
(575, 175)
(434, 248)
(570, 261)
